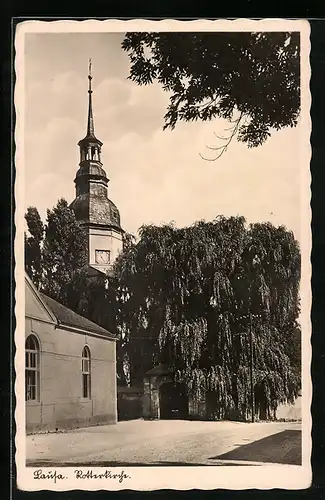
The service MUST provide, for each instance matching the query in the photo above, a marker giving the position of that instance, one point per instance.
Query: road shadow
(281, 448)
(49, 463)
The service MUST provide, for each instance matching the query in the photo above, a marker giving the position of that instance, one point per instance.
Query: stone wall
(129, 403)
(151, 403)
(197, 408)
(290, 411)
(203, 408)
(151, 399)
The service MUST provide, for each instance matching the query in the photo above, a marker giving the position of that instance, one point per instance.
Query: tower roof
(96, 210)
(91, 206)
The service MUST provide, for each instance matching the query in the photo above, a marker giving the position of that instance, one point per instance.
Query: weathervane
(89, 77)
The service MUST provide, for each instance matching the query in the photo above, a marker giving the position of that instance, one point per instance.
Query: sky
(155, 176)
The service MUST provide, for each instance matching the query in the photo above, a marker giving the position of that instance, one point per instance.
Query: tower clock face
(102, 257)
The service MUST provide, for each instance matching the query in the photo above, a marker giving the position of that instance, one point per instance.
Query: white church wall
(61, 403)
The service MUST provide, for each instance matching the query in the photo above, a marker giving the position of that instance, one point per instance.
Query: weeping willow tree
(208, 300)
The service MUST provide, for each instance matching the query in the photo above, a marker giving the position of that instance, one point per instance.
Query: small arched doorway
(173, 401)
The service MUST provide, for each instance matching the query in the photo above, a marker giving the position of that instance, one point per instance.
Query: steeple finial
(90, 123)
(89, 72)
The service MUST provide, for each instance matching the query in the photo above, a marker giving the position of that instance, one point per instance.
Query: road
(163, 442)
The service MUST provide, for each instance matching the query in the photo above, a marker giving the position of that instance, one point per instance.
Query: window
(32, 369)
(86, 376)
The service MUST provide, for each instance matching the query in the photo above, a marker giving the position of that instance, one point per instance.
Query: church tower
(97, 213)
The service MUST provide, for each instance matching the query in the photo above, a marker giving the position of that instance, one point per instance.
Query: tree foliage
(190, 297)
(55, 253)
(33, 242)
(250, 79)
(64, 254)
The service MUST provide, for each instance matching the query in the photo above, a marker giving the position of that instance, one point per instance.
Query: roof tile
(69, 318)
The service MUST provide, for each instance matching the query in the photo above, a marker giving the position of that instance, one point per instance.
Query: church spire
(90, 123)
(90, 146)
(93, 209)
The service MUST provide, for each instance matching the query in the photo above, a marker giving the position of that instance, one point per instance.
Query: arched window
(32, 379)
(86, 373)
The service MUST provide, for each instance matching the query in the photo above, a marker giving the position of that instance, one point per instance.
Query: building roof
(67, 317)
(159, 370)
